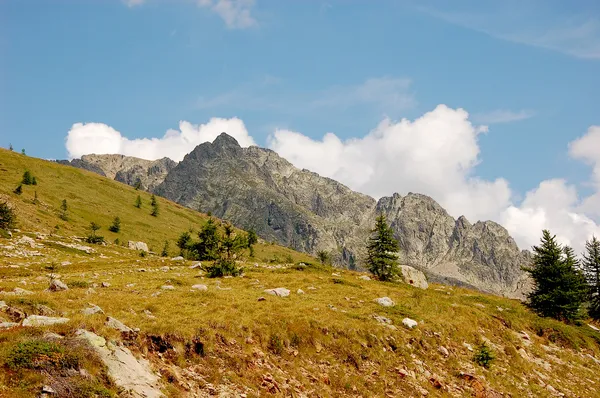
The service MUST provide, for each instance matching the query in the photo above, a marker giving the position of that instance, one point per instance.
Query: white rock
(414, 277)
(364, 278)
(300, 291)
(382, 319)
(132, 375)
(114, 323)
(279, 292)
(385, 301)
(409, 323)
(38, 320)
(178, 258)
(196, 265)
(105, 284)
(201, 288)
(57, 285)
(17, 291)
(443, 350)
(594, 328)
(167, 287)
(8, 325)
(164, 269)
(468, 346)
(94, 309)
(137, 246)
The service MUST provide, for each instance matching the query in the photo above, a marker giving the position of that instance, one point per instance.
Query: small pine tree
(10, 147)
(323, 257)
(92, 236)
(154, 204)
(165, 250)
(252, 239)
(208, 246)
(33, 180)
(559, 286)
(116, 225)
(19, 190)
(23, 151)
(27, 178)
(382, 251)
(591, 270)
(229, 247)
(138, 202)
(8, 218)
(183, 242)
(63, 210)
(138, 184)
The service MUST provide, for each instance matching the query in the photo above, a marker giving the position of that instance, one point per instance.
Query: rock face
(126, 169)
(138, 245)
(134, 376)
(256, 188)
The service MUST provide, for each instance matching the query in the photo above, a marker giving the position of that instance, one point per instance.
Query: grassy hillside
(91, 197)
(330, 338)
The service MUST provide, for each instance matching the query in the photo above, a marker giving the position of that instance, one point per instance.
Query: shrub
(165, 250)
(323, 257)
(275, 345)
(484, 356)
(7, 217)
(38, 354)
(27, 178)
(138, 202)
(78, 284)
(63, 210)
(92, 236)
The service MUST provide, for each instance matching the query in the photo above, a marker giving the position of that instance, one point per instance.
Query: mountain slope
(256, 188)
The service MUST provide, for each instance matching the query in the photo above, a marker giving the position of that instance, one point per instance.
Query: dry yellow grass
(324, 342)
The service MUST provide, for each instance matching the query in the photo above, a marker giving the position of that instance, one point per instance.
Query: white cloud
(235, 13)
(99, 138)
(503, 116)
(552, 205)
(434, 155)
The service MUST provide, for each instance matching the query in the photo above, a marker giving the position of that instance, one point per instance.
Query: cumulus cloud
(435, 155)
(235, 13)
(99, 138)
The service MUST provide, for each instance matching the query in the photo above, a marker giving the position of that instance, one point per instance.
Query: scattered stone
(142, 270)
(468, 346)
(52, 336)
(444, 351)
(165, 269)
(93, 309)
(364, 278)
(139, 246)
(167, 287)
(413, 277)
(105, 284)
(594, 328)
(48, 390)
(311, 288)
(127, 372)
(90, 291)
(130, 285)
(201, 288)
(331, 307)
(385, 301)
(65, 263)
(56, 285)
(409, 323)
(279, 292)
(114, 323)
(14, 313)
(382, 319)
(479, 305)
(196, 265)
(300, 291)
(149, 314)
(39, 320)
(178, 258)
(8, 325)
(44, 310)
(335, 274)
(262, 299)
(17, 291)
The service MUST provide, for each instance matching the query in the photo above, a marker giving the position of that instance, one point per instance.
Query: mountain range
(256, 188)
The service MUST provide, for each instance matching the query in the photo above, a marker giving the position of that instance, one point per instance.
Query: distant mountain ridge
(256, 188)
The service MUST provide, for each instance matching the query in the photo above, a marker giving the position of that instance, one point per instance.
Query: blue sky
(529, 70)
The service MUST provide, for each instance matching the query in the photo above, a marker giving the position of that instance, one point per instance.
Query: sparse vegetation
(138, 202)
(154, 204)
(591, 271)
(19, 189)
(323, 257)
(64, 208)
(382, 249)
(165, 250)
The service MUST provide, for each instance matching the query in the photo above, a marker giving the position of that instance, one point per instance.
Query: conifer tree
(251, 239)
(8, 217)
(138, 184)
(116, 225)
(23, 151)
(63, 210)
(33, 181)
(559, 287)
(154, 204)
(138, 202)
(382, 249)
(19, 190)
(27, 178)
(208, 246)
(10, 147)
(591, 270)
(165, 250)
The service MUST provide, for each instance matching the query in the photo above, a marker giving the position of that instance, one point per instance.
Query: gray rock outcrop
(413, 277)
